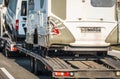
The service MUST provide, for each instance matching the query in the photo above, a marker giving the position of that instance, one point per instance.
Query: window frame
(101, 3)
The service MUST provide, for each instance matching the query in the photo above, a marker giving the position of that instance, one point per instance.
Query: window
(58, 8)
(1, 1)
(31, 4)
(24, 8)
(12, 5)
(102, 3)
(41, 3)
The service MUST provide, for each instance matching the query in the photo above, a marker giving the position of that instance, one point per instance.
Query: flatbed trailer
(76, 67)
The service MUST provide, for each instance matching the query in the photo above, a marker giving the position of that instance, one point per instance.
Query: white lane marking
(7, 73)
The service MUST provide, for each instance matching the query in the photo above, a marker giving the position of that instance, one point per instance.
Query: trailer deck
(63, 67)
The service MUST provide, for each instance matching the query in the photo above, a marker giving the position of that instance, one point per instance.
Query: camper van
(15, 20)
(72, 25)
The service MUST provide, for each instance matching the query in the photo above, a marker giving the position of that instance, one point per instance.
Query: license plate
(90, 29)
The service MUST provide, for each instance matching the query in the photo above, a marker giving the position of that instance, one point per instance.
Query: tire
(43, 52)
(102, 54)
(35, 36)
(5, 51)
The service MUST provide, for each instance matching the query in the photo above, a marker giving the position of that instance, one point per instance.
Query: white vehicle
(73, 25)
(16, 19)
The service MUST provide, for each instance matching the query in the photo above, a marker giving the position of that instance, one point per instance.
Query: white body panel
(92, 39)
(83, 14)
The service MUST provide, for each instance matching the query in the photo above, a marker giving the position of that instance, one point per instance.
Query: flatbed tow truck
(63, 65)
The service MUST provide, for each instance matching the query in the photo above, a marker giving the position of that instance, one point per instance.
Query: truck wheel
(31, 64)
(102, 54)
(5, 51)
(35, 36)
(1, 45)
(43, 52)
(29, 46)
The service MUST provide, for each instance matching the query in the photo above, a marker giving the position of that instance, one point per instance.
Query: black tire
(5, 51)
(43, 52)
(2, 44)
(102, 54)
(29, 46)
(31, 64)
(35, 36)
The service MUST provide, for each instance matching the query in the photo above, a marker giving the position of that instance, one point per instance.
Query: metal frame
(109, 67)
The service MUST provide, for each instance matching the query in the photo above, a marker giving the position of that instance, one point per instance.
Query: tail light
(16, 24)
(55, 31)
(14, 49)
(67, 74)
(54, 25)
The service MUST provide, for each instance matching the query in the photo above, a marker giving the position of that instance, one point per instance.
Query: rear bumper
(80, 48)
(84, 46)
(93, 74)
(87, 48)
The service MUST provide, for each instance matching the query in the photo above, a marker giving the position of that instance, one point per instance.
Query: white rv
(72, 25)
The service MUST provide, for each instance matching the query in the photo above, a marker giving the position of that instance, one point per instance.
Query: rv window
(24, 8)
(102, 3)
(58, 8)
(41, 3)
(12, 5)
(31, 4)
(1, 1)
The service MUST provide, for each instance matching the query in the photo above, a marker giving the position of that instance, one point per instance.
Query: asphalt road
(25, 63)
(12, 70)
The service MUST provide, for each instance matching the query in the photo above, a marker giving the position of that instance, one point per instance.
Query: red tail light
(55, 31)
(67, 74)
(17, 25)
(59, 74)
(54, 25)
(14, 49)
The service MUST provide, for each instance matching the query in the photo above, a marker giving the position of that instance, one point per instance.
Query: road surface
(11, 70)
